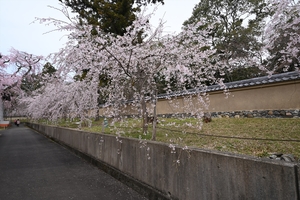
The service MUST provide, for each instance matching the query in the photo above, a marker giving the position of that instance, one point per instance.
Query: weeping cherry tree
(134, 65)
(13, 68)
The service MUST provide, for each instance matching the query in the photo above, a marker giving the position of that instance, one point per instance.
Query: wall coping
(242, 84)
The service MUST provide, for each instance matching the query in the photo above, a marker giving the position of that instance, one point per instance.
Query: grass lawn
(251, 136)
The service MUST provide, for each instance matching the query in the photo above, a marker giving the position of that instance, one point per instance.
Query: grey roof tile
(295, 75)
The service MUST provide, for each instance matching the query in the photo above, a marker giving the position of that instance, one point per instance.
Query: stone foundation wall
(243, 114)
(160, 171)
(259, 114)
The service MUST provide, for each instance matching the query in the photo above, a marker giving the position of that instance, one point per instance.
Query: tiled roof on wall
(288, 76)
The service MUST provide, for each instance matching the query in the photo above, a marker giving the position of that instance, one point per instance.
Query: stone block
(270, 112)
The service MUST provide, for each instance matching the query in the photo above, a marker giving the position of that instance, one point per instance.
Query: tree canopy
(282, 44)
(236, 27)
(252, 34)
(111, 16)
(22, 66)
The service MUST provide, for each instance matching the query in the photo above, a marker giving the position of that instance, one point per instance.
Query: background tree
(145, 2)
(282, 44)
(111, 16)
(48, 69)
(33, 82)
(237, 29)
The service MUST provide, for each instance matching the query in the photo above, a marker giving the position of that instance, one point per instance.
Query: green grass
(251, 136)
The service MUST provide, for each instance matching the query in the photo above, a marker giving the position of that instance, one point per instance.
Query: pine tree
(112, 16)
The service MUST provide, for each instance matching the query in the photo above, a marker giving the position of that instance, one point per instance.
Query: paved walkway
(33, 167)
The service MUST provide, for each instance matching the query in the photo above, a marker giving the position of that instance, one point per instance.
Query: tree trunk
(154, 121)
(1, 109)
(144, 116)
(97, 118)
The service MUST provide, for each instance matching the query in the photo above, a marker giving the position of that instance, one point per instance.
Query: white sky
(17, 30)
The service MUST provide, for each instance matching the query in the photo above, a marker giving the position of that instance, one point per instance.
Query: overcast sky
(18, 31)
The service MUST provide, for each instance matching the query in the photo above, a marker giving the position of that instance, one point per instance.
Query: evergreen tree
(113, 16)
(33, 82)
(236, 28)
(48, 69)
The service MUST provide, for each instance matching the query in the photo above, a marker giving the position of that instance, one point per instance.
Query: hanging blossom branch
(60, 24)
(23, 65)
(28, 61)
(283, 34)
(4, 60)
(135, 65)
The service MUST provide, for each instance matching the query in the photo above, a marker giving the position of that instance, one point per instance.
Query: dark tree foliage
(279, 60)
(234, 34)
(144, 2)
(113, 16)
(5, 96)
(48, 69)
(243, 73)
(82, 76)
(33, 82)
(236, 28)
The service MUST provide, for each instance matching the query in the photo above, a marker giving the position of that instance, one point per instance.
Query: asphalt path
(34, 167)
